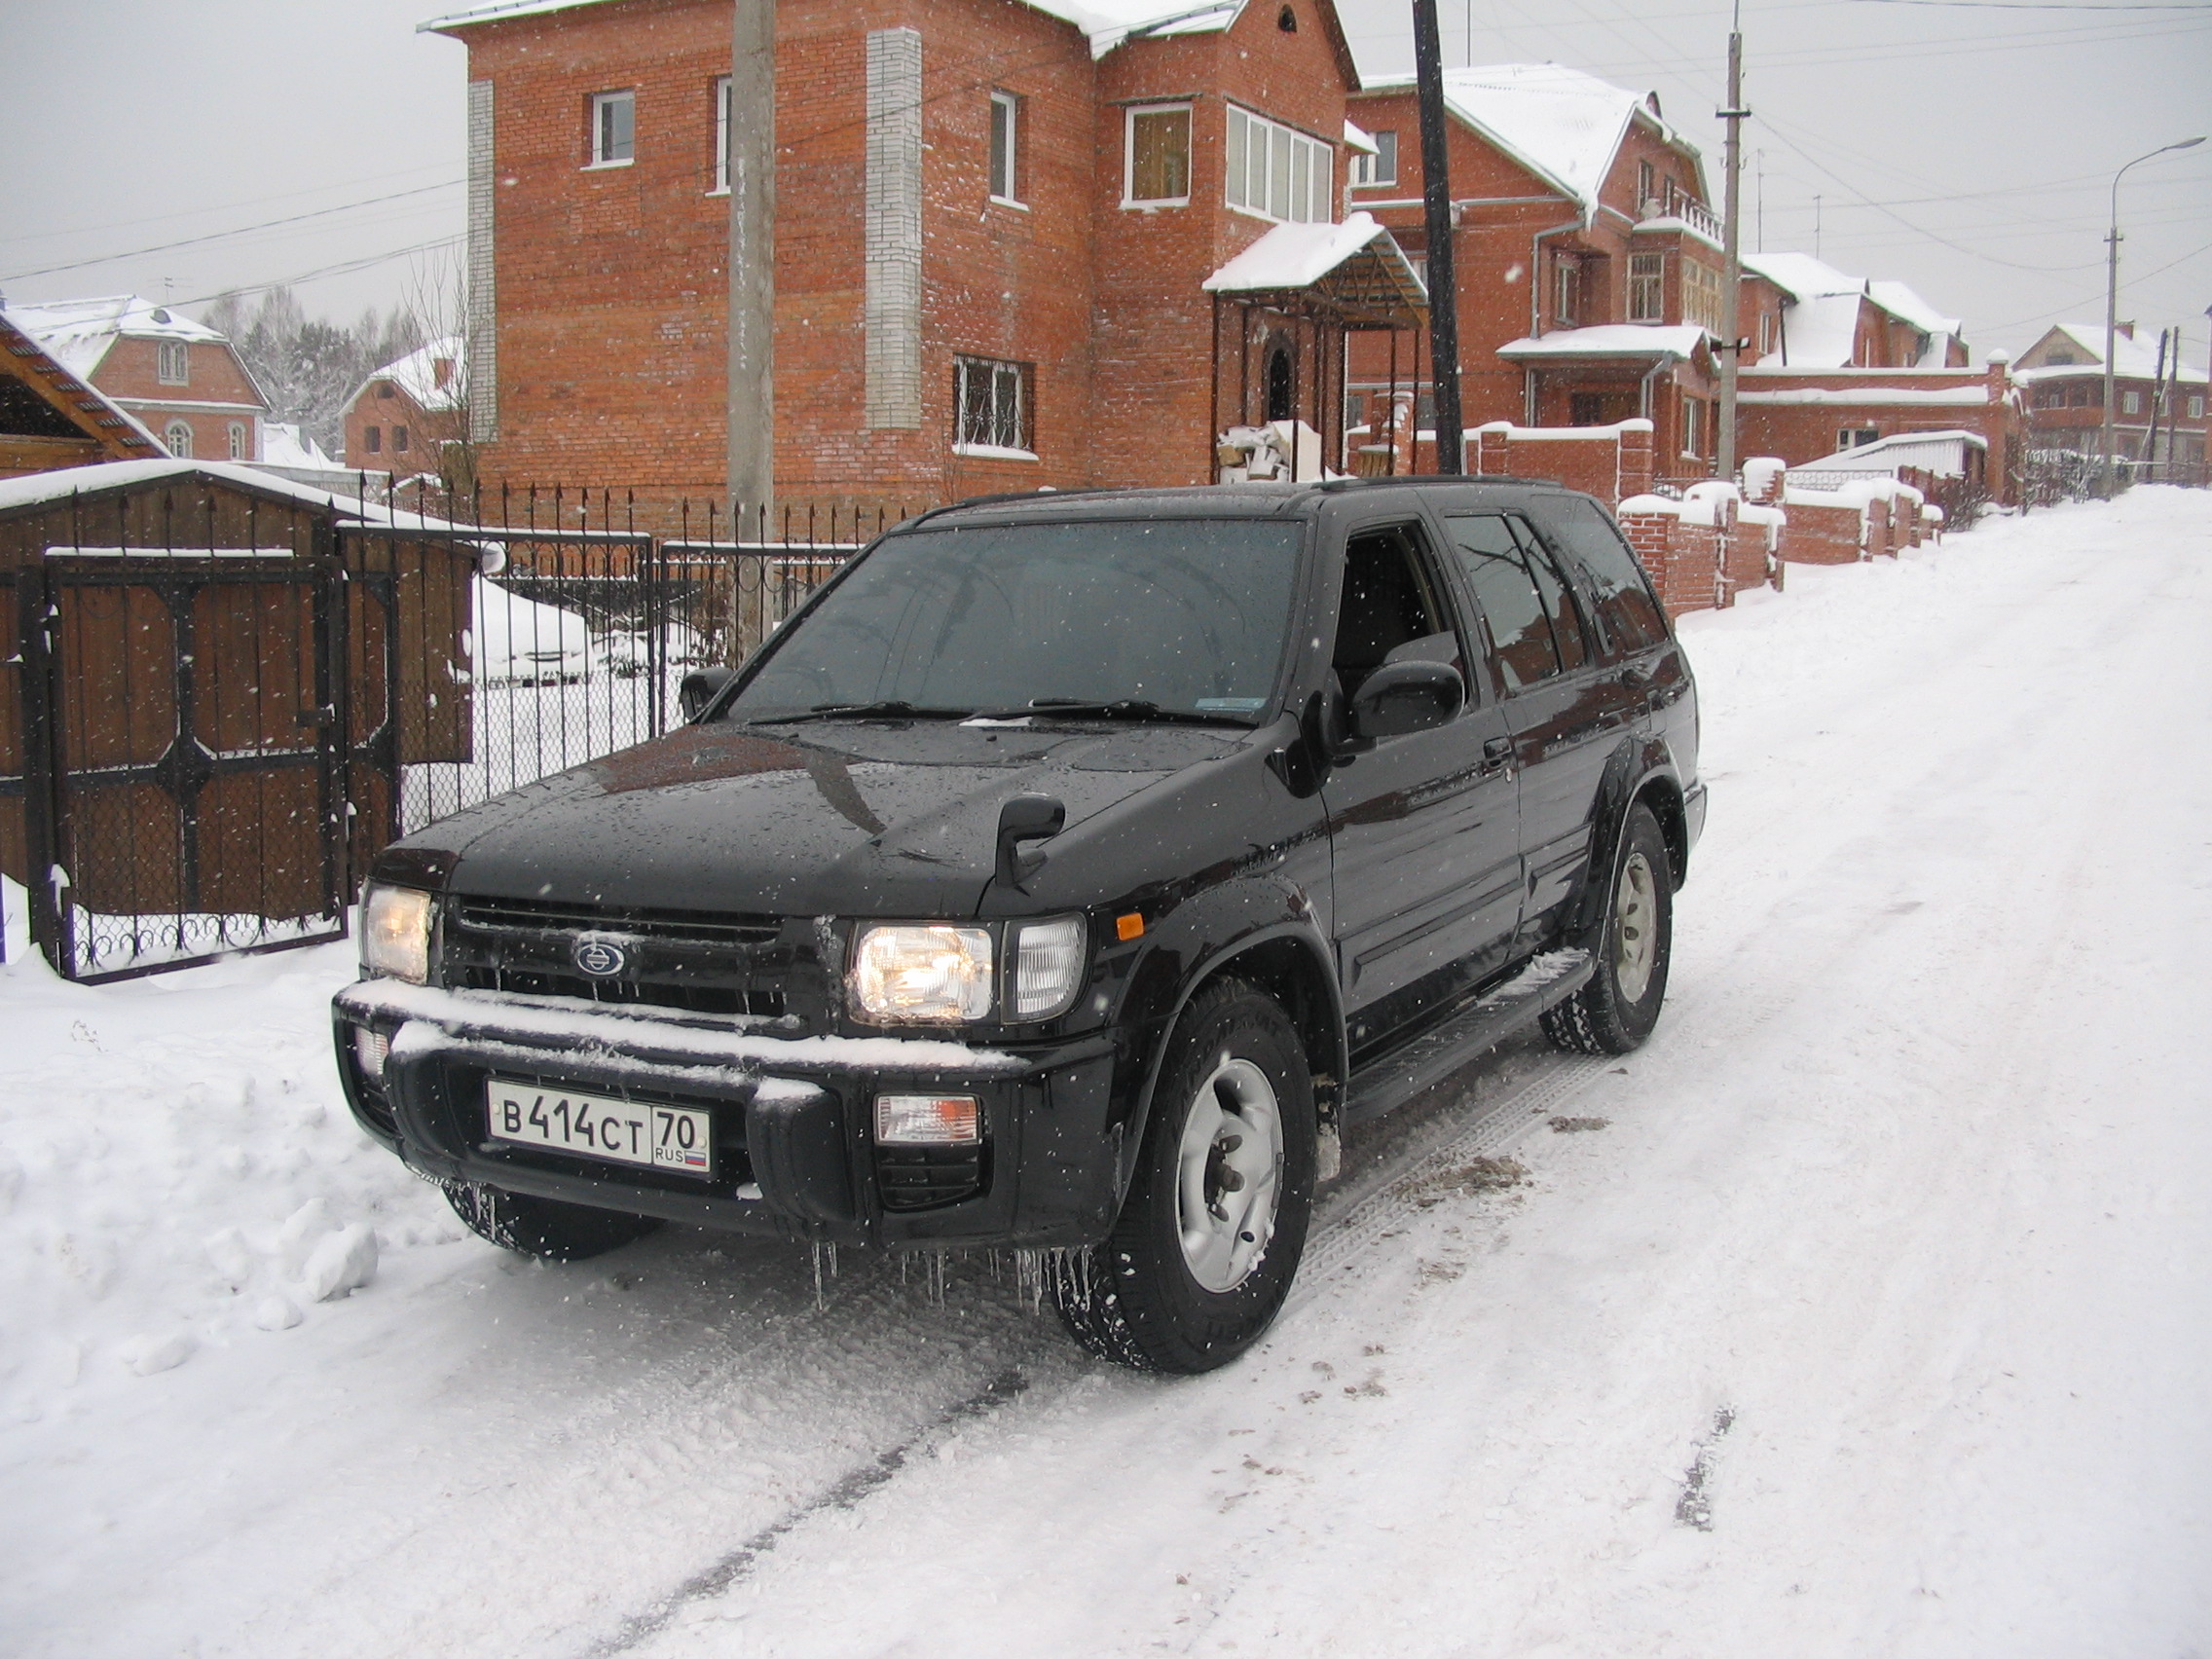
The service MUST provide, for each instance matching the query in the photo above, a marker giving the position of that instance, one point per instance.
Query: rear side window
(1559, 600)
(1497, 570)
(1627, 613)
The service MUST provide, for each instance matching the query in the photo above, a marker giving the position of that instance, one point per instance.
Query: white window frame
(1006, 107)
(1129, 196)
(722, 136)
(1693, 427)
(1856, 437)
(2197, 407)
(1004, 377)
(177, 438)
(238, 441)
(2130, 401)
(597, 134)
(1651, 281)
(1566, 290)
(1297, 176)
(172, 362)
(1368, 171)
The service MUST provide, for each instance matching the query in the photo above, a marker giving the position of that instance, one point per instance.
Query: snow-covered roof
(1359, 140)
(1611, 339)
(2131, 360)
(40, 488)
(77, 333)
(1562, 124)
(1928, 396)
(416, 375)
(1107, 22)
(1940, 452)
(1802, 277)
(1298, 256)
(35, 359)
(283, 443)
(1821, 330)
(1907, 307)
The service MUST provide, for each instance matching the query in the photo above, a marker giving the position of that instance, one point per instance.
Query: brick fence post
(1635, 460)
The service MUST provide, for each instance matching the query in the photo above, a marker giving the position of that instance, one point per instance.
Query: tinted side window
(1559, 600)
(1391, 610)
(1496, 570)
(1628, 614)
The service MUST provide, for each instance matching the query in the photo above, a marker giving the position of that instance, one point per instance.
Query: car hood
(848, 819)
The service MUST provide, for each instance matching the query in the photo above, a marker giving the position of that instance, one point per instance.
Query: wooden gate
(181, 719)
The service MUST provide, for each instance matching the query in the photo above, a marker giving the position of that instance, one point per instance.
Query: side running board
(1437, 1053)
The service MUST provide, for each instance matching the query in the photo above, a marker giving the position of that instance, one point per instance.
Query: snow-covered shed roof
(40, 489)
(2069, 348)
(1562, 124)
(71, 393)
(285, 443)
(1356, 266)
(1801, 276)
(1611, 339)
(1107, 22)
(77, 333)
(1940, 452)
(416, 375)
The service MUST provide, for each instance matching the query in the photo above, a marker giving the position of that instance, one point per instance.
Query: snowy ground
(1865, 1311)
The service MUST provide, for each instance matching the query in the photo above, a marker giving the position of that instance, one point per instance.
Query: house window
(177, 436)
(1646, 187)
(1647, 285)
(1693, 427)
(1278, 172)
(238, 441)
(399, 439)
(993, 401)
(2131, 403)
(1766, 333)
(1382, 167)
(1700, 294)
(613, 128)
(172, 362)
(384, 390)
(1585, 409)
(1006, 128)
(2197, 409)
(1159, 157)
(722, 137)
(1856, 437)
(1566, 289)
(372, 439)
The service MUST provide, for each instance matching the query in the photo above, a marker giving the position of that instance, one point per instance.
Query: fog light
(371, 1048)
(928, 1119)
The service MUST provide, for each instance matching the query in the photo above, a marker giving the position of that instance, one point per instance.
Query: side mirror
(1023, 818)
(701, 687)
(1401, 697)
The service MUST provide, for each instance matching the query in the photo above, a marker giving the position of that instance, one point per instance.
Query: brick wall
(1609, 463)
(218, 394)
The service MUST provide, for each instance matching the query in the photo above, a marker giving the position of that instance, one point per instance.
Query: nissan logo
(598, 959)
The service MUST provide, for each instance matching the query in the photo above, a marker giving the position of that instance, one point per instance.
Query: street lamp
(2112, 294)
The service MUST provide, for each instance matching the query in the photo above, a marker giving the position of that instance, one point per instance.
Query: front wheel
(544, 1227)
(1202, 1255)
(1615, 1012)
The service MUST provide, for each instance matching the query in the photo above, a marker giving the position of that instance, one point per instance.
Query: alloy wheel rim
(1635, 932)
(1227, 1174)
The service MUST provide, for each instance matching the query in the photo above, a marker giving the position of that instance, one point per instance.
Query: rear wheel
(1207, 1242)
(544, 1227)
(1615, 1012)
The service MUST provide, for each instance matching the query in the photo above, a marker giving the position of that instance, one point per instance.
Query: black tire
(1633, 947)
(1141, 1297)
(544, 1227)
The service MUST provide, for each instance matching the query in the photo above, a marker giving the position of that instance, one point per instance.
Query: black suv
(1066, 876)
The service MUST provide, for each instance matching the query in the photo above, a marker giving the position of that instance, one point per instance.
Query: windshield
(1178, 617)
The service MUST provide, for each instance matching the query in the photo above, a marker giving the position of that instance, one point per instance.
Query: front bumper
(793, 1147)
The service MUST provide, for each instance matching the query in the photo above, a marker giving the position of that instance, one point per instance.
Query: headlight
(1048, 967)
(395, 932)
(923, 974)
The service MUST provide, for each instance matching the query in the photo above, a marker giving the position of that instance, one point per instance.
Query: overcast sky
(1964, 146)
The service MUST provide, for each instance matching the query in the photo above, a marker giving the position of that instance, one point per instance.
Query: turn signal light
(928, 1119)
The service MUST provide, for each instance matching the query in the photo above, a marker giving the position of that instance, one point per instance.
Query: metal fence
(211, 738)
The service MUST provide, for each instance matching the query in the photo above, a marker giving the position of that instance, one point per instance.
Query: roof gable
(71, 396)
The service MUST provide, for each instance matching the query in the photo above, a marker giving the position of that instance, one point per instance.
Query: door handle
(1497, 753)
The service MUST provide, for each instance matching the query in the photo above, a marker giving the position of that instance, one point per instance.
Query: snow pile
(1760, 474)
(178, 1172)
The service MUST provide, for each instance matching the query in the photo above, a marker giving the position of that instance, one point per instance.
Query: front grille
(685, 927)
(923, 1177)
(689, 997)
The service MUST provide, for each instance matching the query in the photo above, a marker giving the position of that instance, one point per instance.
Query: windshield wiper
(863, 711)
(1119, 709)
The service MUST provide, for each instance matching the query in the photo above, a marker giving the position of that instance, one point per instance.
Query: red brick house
(1587, 260)
(995, 223)
(180, 380)
(2064, 377)
(50, 419)
(405, 414)
(1838, 361)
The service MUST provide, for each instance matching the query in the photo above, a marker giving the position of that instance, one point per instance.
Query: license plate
(592, 1125)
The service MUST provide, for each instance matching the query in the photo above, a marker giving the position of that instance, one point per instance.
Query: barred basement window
(1159, 157)
(613, 128)
(1280, 173)
(1647, 286)
(173, 362)
(994, 403)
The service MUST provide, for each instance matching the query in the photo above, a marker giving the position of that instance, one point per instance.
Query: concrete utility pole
(1732, 254)
(1436, 192)
(2112, 302)
(752, 161)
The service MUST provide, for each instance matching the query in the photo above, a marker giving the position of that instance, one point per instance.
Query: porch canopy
(1296, 293)
(1607, 361)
